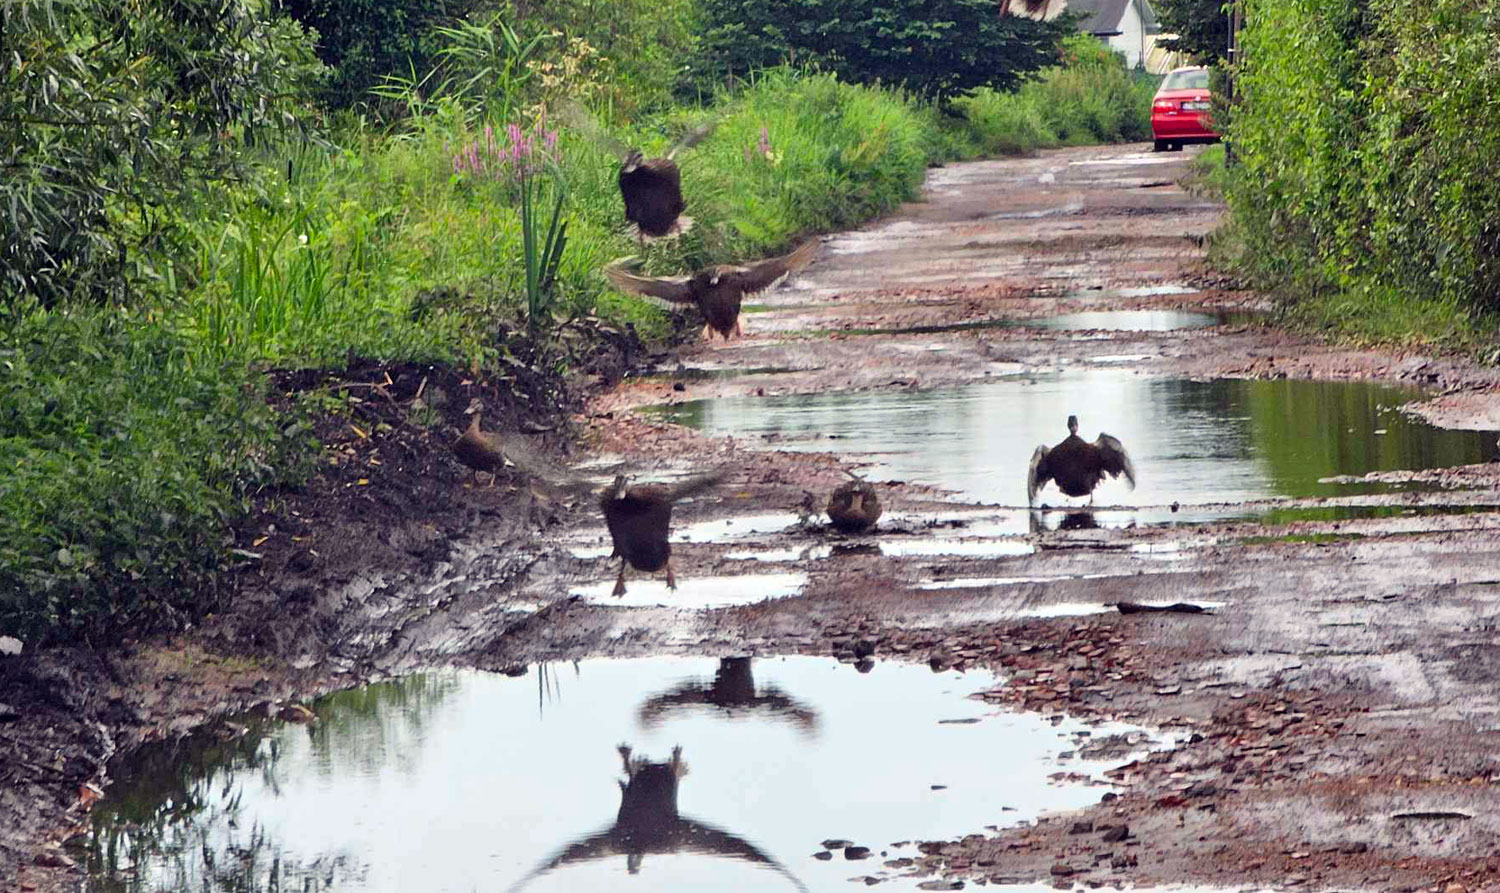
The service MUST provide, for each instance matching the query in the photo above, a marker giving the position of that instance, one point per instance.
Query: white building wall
(1131, 41)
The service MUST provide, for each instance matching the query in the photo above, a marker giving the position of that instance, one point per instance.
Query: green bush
(938, 48)
(120, 459)
(111, 119)
(1367, 135)
(1090, 98)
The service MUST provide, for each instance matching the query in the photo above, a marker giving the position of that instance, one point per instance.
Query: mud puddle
(1202, 445)
(455, 781)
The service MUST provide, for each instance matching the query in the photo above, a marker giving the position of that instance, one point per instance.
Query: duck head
(632, 160)
(1072, 424)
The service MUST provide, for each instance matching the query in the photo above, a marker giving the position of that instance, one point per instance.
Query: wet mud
(1332, 510)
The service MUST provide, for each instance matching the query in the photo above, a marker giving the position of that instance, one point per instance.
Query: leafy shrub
(1368, 134)
(1090, 98)
(937, 48)
(120, 460)
(111, 117)
(365, 41)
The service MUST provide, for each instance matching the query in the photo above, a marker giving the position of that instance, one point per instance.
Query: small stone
(864, 665)
(941, 885)
(855, 853)
(1063, 869)
(864, 648)
(1455, 887)
(296, 713)
(10, 646)
(1109, 797)
(678, 386)
(53, 858)
(823, 856)
(1082, 828)
(1116, 833)
(836, 843)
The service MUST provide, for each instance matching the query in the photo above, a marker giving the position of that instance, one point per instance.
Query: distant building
(1128, 27)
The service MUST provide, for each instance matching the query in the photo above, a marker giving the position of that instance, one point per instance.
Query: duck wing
(1038, 475)
(674, 289)
(583, 122)
(1113, 458)
(708, 840)
(760, 276)
(694, 486)
(692, 138)
(599, 845)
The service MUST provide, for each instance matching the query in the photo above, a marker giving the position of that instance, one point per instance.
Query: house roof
(1103, 16)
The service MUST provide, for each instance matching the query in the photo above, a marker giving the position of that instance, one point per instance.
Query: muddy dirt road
(1336, 711)
(1328, 720)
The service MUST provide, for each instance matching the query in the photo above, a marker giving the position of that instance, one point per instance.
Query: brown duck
(638, 519)
(652, 189)
(1078, 466)
(716, 291)
(479, 451)
(854, 507)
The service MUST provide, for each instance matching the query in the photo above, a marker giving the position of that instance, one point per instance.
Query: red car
(1179, 111)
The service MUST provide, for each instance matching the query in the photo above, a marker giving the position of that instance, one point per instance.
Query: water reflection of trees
(733, 692)
(178, 818)
(1307, 430)
(648, 823)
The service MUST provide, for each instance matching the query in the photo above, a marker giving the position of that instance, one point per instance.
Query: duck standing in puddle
(1077, 466)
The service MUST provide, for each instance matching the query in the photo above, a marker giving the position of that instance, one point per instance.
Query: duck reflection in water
(1070, 520)
(732, 691)
(648, 823)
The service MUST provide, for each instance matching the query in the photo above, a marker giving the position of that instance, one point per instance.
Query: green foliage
(647, 43)
(938, 48)
(111, 114)
(1201, 26)
(121, 456)
(1368, 135)
(1092, 98)
(365, 41)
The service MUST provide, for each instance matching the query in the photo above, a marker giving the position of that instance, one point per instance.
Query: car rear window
(1195, 79)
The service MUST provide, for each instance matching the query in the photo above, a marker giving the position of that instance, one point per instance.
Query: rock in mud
(1114, 833)
(1082, 828)
(853, 853)
(823, 855)
(941, 885)
(836, 843)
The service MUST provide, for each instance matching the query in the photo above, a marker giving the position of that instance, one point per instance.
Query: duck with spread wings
(716, 291)
(1076, 465)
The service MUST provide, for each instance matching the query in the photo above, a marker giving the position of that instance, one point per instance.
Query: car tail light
(1164, 105)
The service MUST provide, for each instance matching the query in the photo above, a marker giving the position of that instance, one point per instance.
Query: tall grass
(1091, 99)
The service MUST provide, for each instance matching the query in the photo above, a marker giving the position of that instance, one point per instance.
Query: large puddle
(463, 781)
(1195, 443)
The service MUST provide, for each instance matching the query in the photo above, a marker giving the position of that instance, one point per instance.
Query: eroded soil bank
(1334, 711)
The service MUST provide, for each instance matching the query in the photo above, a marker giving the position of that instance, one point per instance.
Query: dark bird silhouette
(716, 291)
(1078, 466)
(638, 519)
(648, 823)
(854, 507)
(652, 189)
(733, 692)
